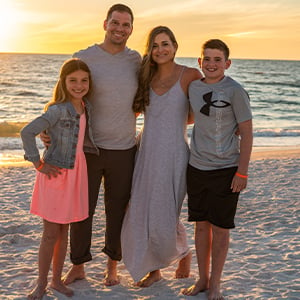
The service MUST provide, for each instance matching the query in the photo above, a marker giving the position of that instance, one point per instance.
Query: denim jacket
(62, 124)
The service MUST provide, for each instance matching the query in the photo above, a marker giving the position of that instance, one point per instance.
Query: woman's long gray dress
(152, 235)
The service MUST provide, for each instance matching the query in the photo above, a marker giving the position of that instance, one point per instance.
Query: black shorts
(210, 197)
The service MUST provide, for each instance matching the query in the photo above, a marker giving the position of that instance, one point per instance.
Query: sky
(256, 29)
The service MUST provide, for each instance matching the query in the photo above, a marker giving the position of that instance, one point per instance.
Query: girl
(60, 194)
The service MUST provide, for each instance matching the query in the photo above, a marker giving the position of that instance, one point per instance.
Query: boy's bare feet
(38, 292)
(62, 288)
(184, 267)
(111, 277)
(149, 279)
(198, 287)
(75, 273)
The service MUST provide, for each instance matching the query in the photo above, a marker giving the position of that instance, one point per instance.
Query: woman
(152, 235)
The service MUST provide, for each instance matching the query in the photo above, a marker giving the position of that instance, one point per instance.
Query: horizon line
(236, 58)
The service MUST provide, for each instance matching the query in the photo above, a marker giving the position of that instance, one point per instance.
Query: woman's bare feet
(184, 267)
(149, 279)
(38, 292)
(111, 277)
(62, 288)
(75, 273)
(198, 287)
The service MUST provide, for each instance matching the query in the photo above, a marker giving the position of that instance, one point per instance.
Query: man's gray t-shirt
(217, 108)
(114, 78)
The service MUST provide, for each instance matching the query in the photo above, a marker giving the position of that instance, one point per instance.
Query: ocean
(27, 81)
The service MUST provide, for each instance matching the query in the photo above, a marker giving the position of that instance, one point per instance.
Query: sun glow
(9, 18)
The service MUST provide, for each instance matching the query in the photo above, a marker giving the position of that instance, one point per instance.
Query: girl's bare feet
(149, 279)
(214, 292)
(38, 292)
(184, 267)
(195, 289)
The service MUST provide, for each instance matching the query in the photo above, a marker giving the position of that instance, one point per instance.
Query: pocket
(66, 126)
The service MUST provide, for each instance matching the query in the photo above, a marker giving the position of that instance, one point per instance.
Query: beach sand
(263, 260)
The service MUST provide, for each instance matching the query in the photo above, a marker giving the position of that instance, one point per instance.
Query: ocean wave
(8, 84)
(11, 129)
(10, 143)
(276, 132)
(27, 93)
(295, 84)
(15, 143)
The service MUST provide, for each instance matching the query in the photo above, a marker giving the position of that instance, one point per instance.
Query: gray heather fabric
(214, 143)
(114, 86)
(152, 236)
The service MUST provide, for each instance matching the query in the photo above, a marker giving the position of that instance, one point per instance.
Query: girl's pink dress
(64, 199)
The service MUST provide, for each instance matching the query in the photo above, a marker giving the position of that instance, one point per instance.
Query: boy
(218, 164)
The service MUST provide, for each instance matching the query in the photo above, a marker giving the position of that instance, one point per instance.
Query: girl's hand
(47, 169)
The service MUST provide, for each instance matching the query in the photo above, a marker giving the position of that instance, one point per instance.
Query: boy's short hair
(216, 44)
(119, 8)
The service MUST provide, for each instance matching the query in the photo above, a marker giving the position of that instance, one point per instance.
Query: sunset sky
(261, 29)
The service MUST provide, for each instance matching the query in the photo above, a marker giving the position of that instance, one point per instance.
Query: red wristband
(40, 167)
(240, 175)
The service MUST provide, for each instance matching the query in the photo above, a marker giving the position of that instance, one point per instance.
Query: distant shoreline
(70, 54)
(258, 153)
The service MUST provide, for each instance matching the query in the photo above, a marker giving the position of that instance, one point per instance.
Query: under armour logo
(206, 107)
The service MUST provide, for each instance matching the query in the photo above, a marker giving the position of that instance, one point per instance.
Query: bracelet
(40, 167)
(240, 175)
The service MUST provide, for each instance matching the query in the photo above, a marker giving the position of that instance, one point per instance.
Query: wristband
(40, 167)
(240, 175)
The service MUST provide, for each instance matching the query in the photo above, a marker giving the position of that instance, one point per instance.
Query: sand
(263, 260)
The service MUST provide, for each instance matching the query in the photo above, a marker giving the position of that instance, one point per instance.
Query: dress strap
(181, 73)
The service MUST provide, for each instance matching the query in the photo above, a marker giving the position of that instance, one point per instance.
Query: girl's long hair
(60, 93)
(148, 69)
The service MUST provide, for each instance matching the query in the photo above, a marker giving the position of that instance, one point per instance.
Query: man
(114, 70)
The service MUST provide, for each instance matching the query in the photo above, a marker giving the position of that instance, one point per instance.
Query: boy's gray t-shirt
(114, 86)
(214, 143)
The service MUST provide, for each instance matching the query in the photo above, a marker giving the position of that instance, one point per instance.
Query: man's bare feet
(184, 267)
(62, 288)
(149, 279)
(111, 277)
(38, 292)
(198, 287)
(75, 273)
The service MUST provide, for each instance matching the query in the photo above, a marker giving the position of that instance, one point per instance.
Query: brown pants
(116, 167)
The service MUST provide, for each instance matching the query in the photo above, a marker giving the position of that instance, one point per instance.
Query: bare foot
(38, 292)
(62, 288)
(149, 279)
(184, 267)
(111, 277)
(198, 287)
(214, 293)
(75, 273)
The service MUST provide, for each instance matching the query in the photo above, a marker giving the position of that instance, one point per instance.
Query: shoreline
(258, 153)
(275, 152)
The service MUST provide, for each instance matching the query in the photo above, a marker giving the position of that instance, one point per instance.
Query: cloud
(239, 34)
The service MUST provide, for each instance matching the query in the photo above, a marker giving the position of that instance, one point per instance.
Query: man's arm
(45, 138)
